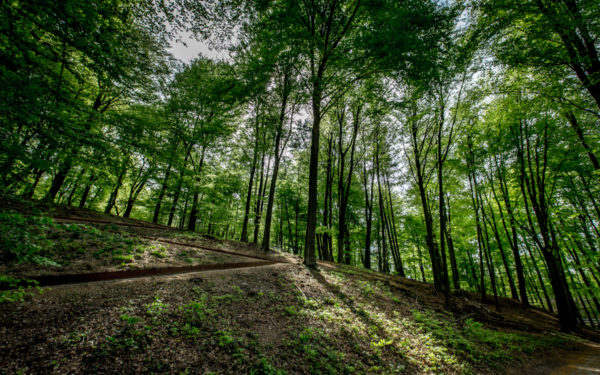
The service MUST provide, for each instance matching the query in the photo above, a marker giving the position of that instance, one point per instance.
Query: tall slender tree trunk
(577, 128)
(442, 217)
(393, 232)
(368, 215)
(289, 225)
(277, 155)
(179, 185)
(113, 195)
(244, 235)
(382, 219)
(430, 241)
(328, 182)
(183, 211)
(311, 217)
(451, 253)
(419, 253)
(38, 175)
(492, 222)
(512, 237)
(539, 277)
(262, 187)
(194, 211)
(161, 195)
(487, 250)
(474, 201)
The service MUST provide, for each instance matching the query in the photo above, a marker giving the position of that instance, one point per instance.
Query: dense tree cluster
(450, 142)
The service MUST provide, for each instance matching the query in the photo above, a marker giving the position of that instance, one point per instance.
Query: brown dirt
(334, 320)
(160, 247)
(83, 328)
(52, 280)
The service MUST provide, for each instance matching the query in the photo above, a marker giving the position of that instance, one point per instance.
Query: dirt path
(154, 238)
(52, 280)
(126, 222)
(585, 362)
(163, 240)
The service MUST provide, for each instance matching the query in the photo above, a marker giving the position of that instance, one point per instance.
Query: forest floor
(275, 318)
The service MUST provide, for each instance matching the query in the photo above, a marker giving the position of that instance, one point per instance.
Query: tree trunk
(194, 211)
(113, 195)
(262, 187)
(512, 237)
(179, 185)
(328, 182)
(311, 218)
(453, 264)
(392, 230)
(161, 195)
(368, 215)
(59, 179)
(244, 235)
(577, 128)
(442, 218)
(31, 190)
(492, 222)
(277, 154)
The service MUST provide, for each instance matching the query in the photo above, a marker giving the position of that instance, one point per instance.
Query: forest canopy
(451, 142)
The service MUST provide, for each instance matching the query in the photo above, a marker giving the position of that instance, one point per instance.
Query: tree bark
(161, 195)
(311, 219)
(244, 235)
(278, 153)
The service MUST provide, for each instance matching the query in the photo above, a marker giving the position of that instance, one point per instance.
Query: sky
(193, 48)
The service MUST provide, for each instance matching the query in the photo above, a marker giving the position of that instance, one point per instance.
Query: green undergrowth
(42, 242)
(199, 324)
(332, 321)
(15, 290)
(349, 326)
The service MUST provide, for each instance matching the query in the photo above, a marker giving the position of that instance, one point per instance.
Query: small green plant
(197, 311)
(130, 320)
(17, 289)
(224, 299)
(291, 310)
(190, 331)
(366, 287)
(123, 258)
(237, 290)
(22, 238)
(226, 339)
(158, 254)
(264, 367)
(156, 308)
(158, 251)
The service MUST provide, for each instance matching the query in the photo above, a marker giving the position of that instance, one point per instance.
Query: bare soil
(271, 319)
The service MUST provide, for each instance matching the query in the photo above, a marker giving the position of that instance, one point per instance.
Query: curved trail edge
(52, 280)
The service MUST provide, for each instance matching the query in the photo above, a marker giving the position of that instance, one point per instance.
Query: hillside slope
(275, 319)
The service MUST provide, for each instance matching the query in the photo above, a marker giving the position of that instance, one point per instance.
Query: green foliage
(291, 310)
(158, 251)
(23, 238)
(123, 258)
(264, 367)
(198, 311)
(478, 119)
(156, 308)
(15, 290)
(480, 345)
